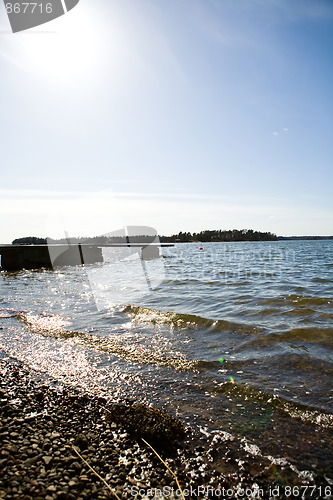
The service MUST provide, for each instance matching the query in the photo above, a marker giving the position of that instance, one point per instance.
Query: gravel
(51, 435)
(43, 423)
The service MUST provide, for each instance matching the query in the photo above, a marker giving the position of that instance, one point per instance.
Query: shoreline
(41, 421)
(40, 424)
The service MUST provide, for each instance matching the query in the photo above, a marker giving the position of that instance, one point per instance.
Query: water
(236, 336)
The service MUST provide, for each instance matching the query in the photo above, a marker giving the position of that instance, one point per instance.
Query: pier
(16, 257)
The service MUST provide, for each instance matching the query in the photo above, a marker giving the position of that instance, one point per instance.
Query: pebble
(41, 432)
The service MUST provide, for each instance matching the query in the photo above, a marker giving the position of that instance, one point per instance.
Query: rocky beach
(43, 423)
(58, 442)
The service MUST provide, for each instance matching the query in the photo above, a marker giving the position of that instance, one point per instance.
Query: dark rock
(62, 495)
(31, 461)
(81, 441)
(76, 466)
(39, 396)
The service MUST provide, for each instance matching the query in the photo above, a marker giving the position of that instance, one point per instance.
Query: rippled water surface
(229, 335)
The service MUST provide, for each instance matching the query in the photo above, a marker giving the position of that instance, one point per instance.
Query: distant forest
(187, 237)
(96, 240)
(235, 235)
(204, 236)
(221, 235)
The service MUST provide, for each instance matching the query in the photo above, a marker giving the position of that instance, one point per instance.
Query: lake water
(232, 336)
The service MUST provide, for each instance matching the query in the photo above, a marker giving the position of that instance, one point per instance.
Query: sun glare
(67, 49)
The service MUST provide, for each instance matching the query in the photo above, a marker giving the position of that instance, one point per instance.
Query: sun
(67, 49)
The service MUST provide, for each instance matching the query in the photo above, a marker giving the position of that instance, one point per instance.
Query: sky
(182, 115)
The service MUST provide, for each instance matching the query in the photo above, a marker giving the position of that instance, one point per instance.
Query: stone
(81, 441)
(31, 461)
(51, 489)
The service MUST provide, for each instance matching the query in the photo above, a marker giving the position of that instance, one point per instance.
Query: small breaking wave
(44, 323)
(120, 346)
(7, 313)
(186, 321)
(309, 415)
(299, 301)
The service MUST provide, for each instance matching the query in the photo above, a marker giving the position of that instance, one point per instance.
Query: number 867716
(28, 8)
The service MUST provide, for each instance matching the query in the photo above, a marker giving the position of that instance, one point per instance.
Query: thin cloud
(277, 133)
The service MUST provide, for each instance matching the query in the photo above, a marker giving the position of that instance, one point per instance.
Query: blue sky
(179, 114)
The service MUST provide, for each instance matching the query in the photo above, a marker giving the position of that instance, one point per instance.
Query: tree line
(182, 237)
(221, 235)
(96, 240)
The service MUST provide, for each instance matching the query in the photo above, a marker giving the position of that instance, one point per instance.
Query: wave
(254, 337)
(131, 350)
(316, 336)
(44, 323)
(54, 326)
(309, 415)
(299, 301)
(7, 313)
(186, 321)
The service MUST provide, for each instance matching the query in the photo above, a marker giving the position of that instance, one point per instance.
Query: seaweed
(160, 429)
